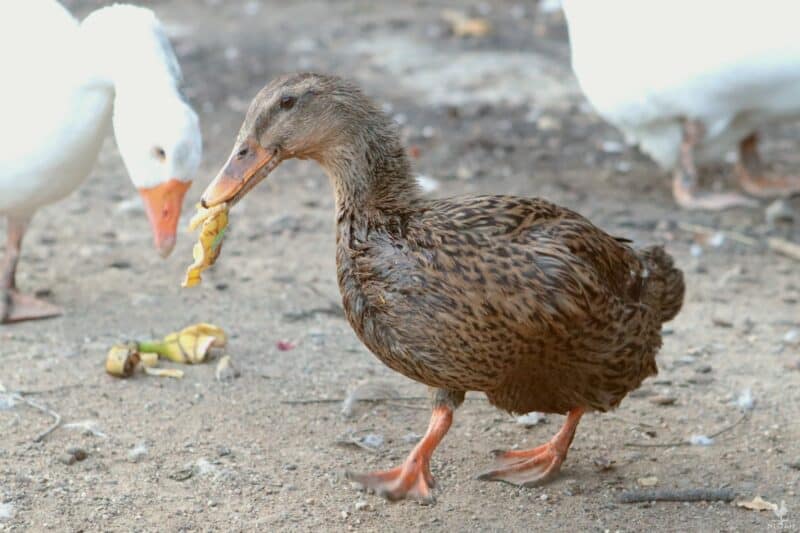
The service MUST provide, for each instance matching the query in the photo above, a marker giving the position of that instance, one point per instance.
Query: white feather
(64, 82)
(646, 65)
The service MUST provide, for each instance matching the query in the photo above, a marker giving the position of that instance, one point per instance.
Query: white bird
(65, 85)
(689, 80)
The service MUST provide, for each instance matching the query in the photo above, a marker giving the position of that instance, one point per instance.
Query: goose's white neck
(126, 51)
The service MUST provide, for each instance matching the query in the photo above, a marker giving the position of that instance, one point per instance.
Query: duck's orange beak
(248, 164)
(163, 206)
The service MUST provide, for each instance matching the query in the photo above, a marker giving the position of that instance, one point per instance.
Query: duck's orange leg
(413, 478)
(685, 181)
(750, 171)
(536, 466)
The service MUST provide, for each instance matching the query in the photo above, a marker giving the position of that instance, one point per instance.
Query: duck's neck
(371, 175)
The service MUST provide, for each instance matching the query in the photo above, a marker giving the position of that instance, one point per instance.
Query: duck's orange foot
(529, 468)
(412, 480)
(526, 468)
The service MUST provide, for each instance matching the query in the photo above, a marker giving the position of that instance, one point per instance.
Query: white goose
(65, 84)
(688, 80)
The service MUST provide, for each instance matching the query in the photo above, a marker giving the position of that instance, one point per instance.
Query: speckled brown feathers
(519, 298)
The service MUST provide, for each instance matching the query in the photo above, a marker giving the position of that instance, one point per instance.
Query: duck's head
(304, 116)
(157, 132)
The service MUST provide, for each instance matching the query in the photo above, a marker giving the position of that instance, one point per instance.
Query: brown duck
(519, 298)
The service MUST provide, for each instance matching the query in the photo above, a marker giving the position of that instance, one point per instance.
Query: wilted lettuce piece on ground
(122, 359)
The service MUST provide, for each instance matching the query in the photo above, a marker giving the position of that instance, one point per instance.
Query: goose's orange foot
(762, 186)
(685, 192)
(413, 478)
(529, 468)
(751, 173)
(18, 307)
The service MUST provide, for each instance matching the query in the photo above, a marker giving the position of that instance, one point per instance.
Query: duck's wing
(535, 230)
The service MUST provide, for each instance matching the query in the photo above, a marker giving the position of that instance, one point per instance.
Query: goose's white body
(648, 65)
(58, 96)
(54, 115)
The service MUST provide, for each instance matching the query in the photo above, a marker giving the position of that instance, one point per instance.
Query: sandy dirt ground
(497, 114)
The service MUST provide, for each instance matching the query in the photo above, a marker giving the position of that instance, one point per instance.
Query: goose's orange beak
(247, 165)
(162, 204)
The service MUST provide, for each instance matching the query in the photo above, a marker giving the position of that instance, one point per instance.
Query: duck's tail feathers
(664, 286)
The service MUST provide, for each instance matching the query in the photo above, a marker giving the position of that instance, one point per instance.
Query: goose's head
(157, 132)
(159, 140)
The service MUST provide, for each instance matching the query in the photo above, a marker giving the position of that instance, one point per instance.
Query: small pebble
(548, 123)
(73, 454)
(779, 211)
(745, 400)
(226, 371)
(650, 481)
(361, 505)
(371, 440)
(663, 400)
(137, 453)
(717, 240)
(411, 438)
(6, 511)
(611, 147)
(792, 337)
(701, 440)
(67, 458)
(530, 419)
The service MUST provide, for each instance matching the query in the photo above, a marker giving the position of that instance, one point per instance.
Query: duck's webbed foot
(685, 180)
(529, 468)
(413, 478)
(751, 174)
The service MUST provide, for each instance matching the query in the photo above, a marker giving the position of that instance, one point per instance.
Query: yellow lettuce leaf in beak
(209, 243)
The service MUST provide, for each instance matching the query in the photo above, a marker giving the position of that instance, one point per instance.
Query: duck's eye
(159, 153)
(287, 102)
